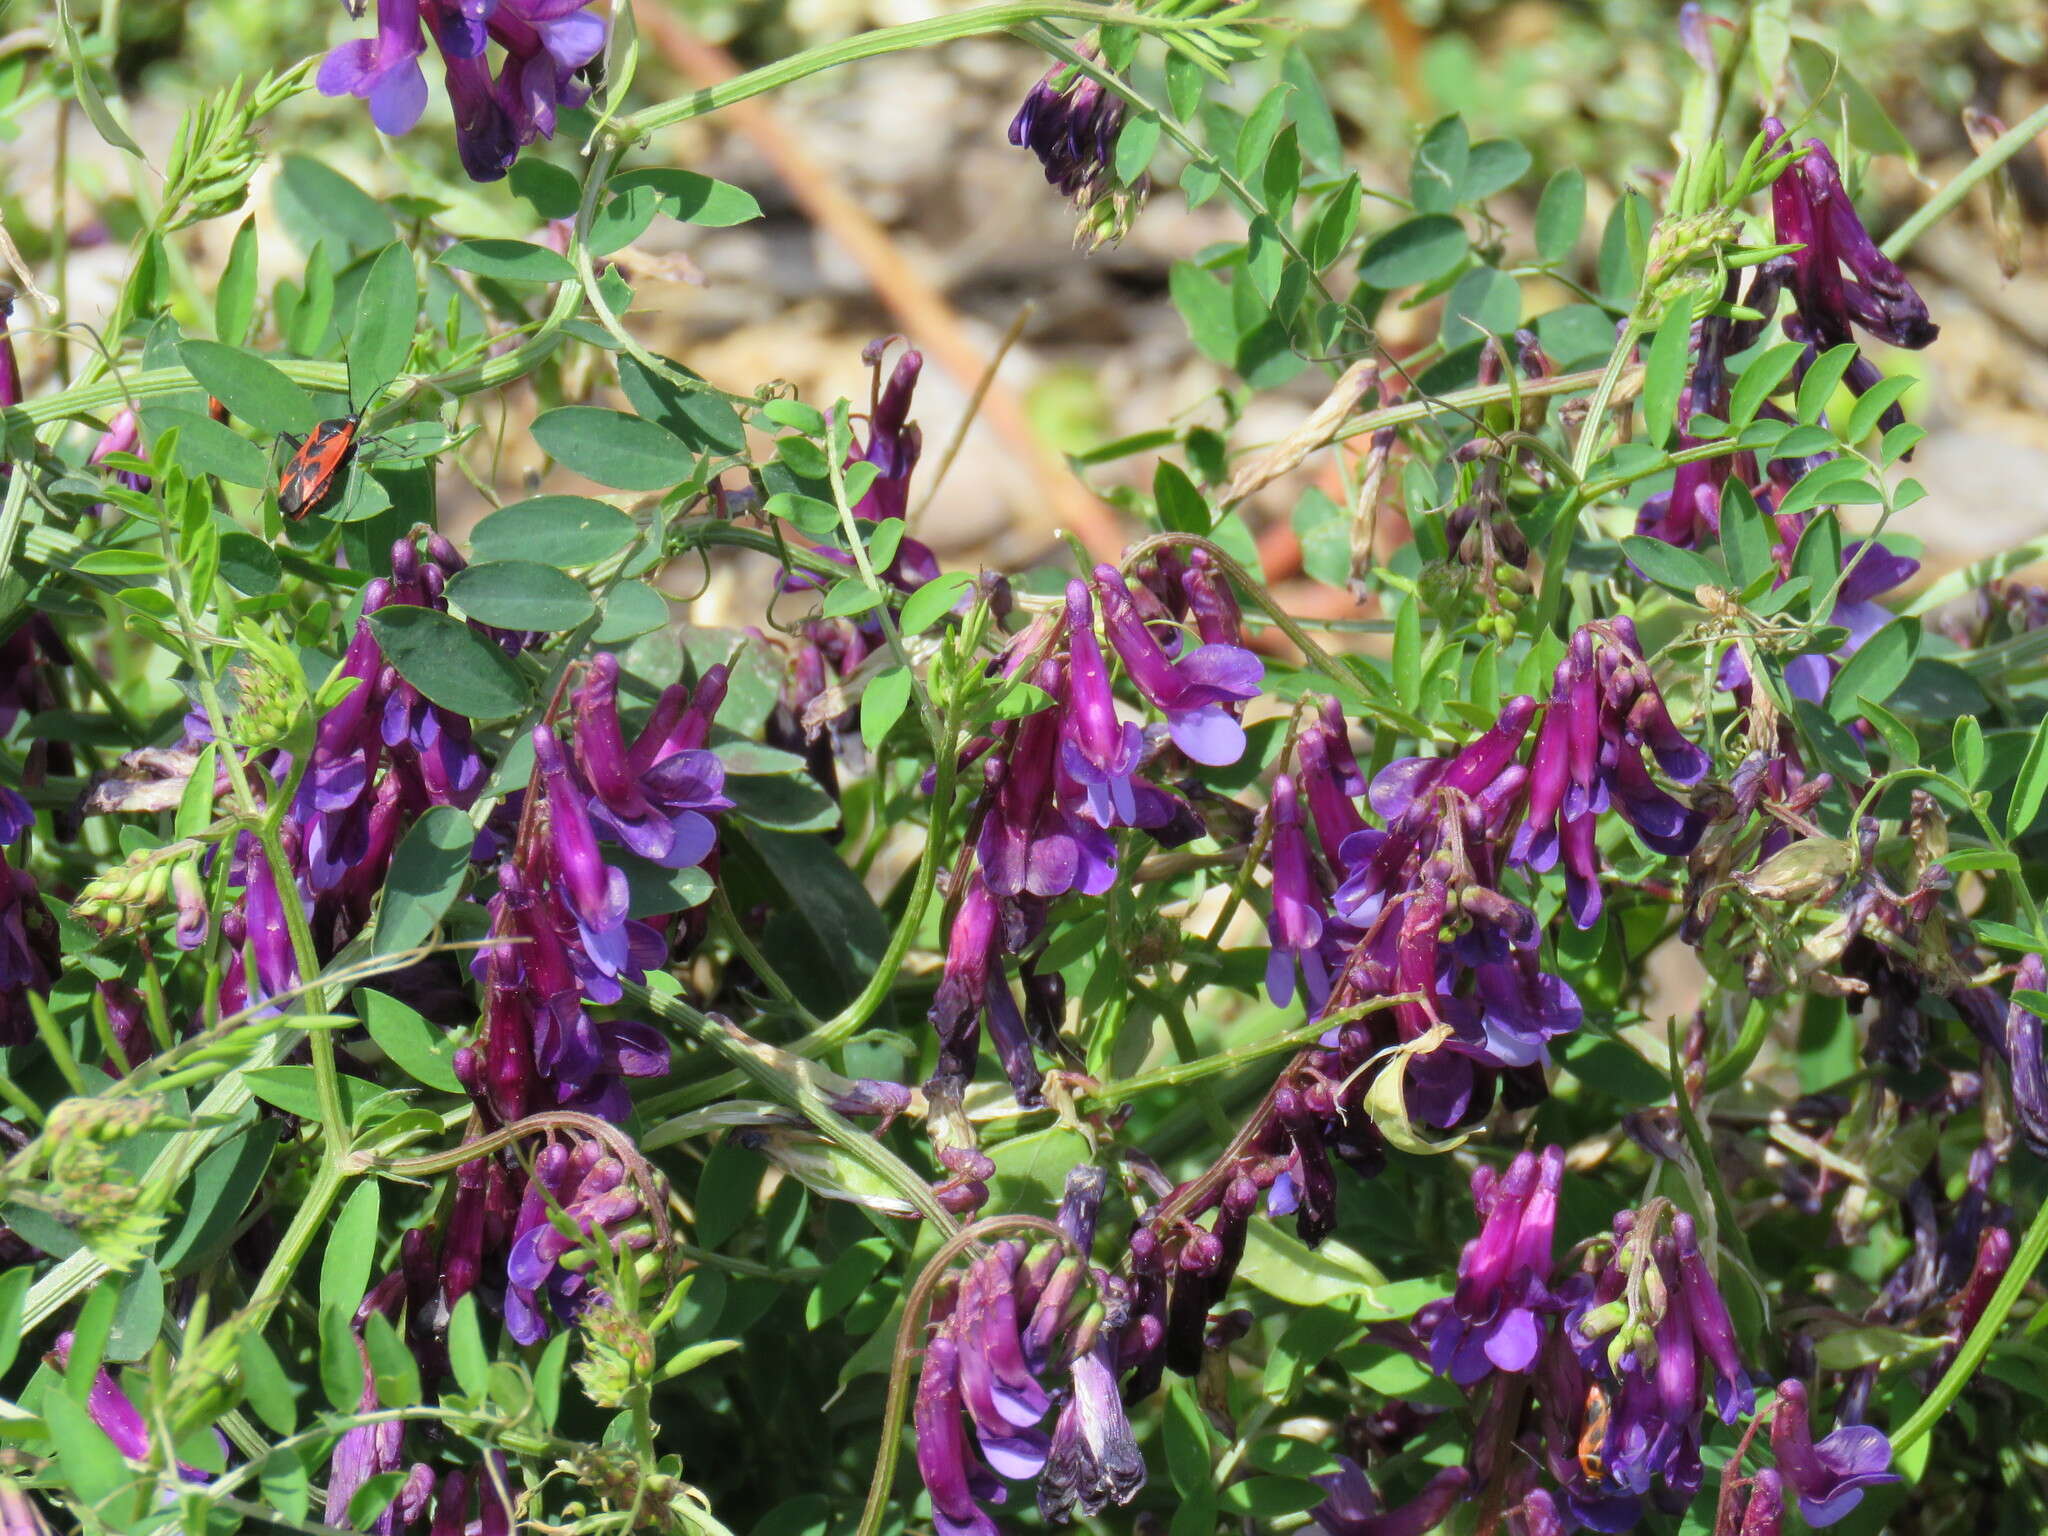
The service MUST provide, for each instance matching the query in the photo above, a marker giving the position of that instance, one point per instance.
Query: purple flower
(1829, 1476)
(1764, 1514)
(1199, 693)
(593, 891)
(1295, 929)
(18, 1513)
(548, 44)
(1094, 1460)
(589, 1192)
(111, 1408)
(1872, 569)
(1071, 121)
(1493, 1321)
(956, 1477)
(657, 804)
(10, 366)
(894, 441)
(1096, 748)
(384, 71)
(1353, 1509)
(1711, 1327)
(1811, 208)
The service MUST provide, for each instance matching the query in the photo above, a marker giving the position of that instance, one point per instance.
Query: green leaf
(1614, 1069)
(1819, 556)
(1876, 670)
(351, 1249)
(508, 261)
(1745, 539)
(850, 597)
(250, 387)
(702, 418)
(312, 194)
(1261, 128)
(215, 1197)
(1664, 370)
(882, 703)
(249, 564)
(1560, 214)
(626, 452)
(1267, 1498)
(1280, 1264)
(421, 1050)
(1484, 302)
(932, 601)
(521, 594)
(269, 1391)
(1205, 305)
(550, 190)
(654, 889)
(1873, 403)
(205, 447)
(1416, 251)
(1436, 178)
(692, 198)
(387, 313)
(1968, 739)
(788, 804)
(92, 1469)
(631, 609)
(2031, 786)
(1494, 166)
(1314, 121)
(621, 219)
(564, 531)
(234, 301)
(1187, 1439)
(85, 86)
(1870, 128)
(1135, 147)
(1335, 226)
(13, 1291)
(1182, 507)
(1766, 371)
(467, 1357)
(450, 663)
(393, 1371)
(1683, 571)
(1822, 379)
(844, 1279)
(426, 872)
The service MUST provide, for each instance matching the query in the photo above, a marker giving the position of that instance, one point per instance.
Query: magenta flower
(383, 71)
(1295, 928)
(1199, 693)
(1353, 1509)
(1828, 1475)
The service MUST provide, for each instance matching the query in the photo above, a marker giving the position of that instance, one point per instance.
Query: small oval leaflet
(508, 261)
(450, 663)
(565, 531)
(520, 594)
(612, 448)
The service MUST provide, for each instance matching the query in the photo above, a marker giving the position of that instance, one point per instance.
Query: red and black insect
(317, 462)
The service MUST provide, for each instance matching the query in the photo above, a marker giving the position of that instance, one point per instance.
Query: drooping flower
(1353, 1509)
(549, 46)
(658, 796)
(1199, 693)
(1071, 121)
(1494, 1317)
(592, 1192)
(1295, 927)
(1828, 1475)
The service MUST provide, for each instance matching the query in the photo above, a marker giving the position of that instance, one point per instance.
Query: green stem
(1978, 1344)
(868, 45)
(2001, 149)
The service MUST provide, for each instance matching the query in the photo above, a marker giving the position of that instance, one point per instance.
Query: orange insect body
(1593, 1438)
(310, 477)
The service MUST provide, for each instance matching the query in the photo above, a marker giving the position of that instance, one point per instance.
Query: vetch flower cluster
(549, 48)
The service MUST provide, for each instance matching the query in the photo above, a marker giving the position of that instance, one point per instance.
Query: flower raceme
(548, 46)
(1017, 1319)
